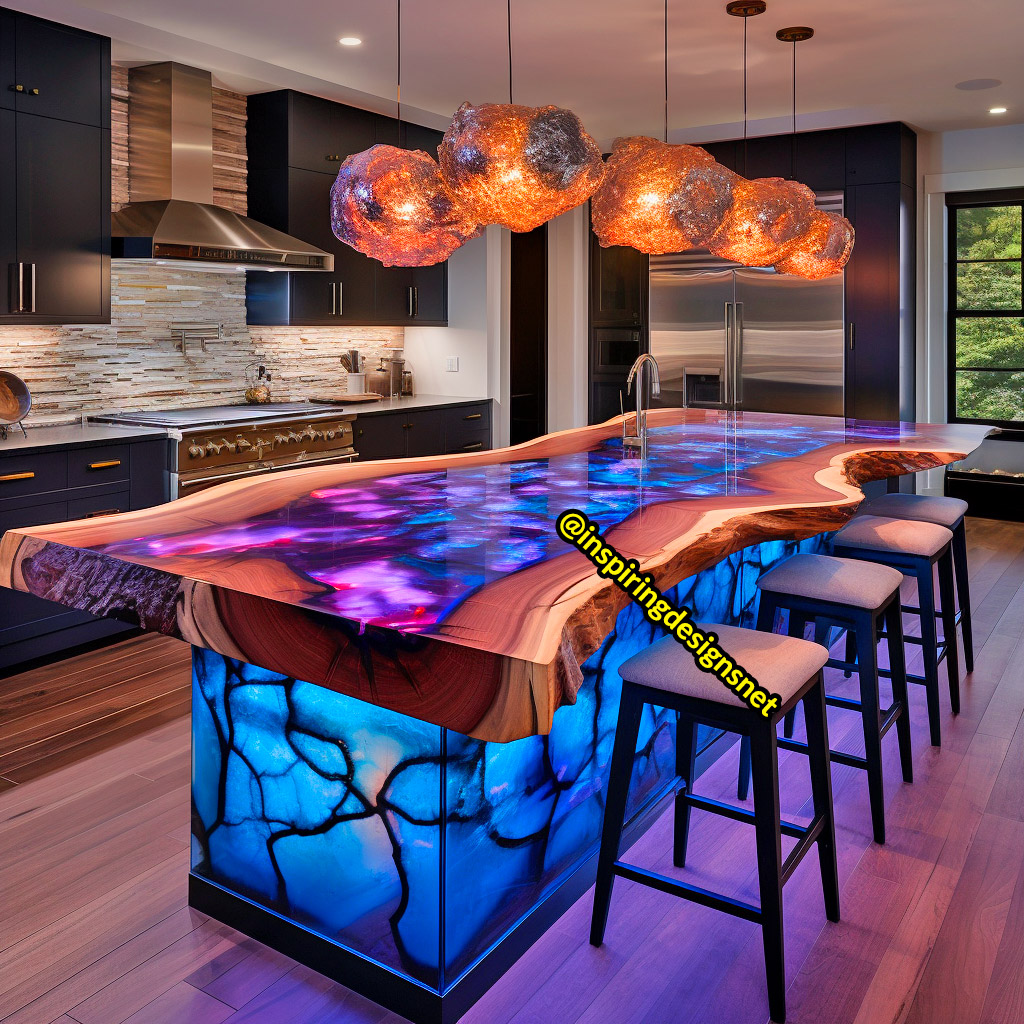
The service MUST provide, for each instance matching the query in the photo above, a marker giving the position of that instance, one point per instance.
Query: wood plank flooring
(95, 929)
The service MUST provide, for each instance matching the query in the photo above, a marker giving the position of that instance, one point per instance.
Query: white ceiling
(870, 60)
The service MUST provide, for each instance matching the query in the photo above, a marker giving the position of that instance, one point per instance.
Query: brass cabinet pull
(103, 512)
(17, 476)
(34, 92)
(475, 416)
(470, 447)
(16, 88)
(105, 465)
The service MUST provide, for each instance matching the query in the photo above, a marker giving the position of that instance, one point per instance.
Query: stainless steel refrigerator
(740, 338)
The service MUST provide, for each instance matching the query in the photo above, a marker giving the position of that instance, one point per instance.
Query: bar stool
(667, 675)
(915, 547)
(859, 597)
(948, 512)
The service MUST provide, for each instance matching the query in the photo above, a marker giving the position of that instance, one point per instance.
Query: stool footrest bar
(704, 897)
(797, 853)
(853, 760)
(843, 702)
(704, 803)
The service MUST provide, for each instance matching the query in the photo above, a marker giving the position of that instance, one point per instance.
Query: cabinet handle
(16, 88)
(473, 416)
(334, 299)
(470, 447)
(17, 288)
(341, 300)
(333, 158)
(17, 476)
(31, 290)
(413, 296)
(34, 92)
(105, 465)
(104, 512)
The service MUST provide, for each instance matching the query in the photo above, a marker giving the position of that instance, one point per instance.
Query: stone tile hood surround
(171, 216)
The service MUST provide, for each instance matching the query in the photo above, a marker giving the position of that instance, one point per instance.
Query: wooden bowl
(15, 400)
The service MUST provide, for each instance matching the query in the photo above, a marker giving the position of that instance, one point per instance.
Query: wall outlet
(451, 364)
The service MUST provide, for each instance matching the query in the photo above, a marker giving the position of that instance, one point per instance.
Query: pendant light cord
(666, 71)
(792, 145)
(745, 20)
(508, 10)
(398, 72)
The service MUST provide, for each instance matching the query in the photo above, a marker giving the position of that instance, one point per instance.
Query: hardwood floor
(94, 855)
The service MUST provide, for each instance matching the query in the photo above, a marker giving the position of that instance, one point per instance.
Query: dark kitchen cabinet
(76, 483)
(54, 173)
(295, 145)
(416, 433)
(877, 153)
(63, 228)
(618, 284)
(60, 72)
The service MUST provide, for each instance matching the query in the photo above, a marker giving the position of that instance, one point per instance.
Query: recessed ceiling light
(973, 84)
(350, 41)
(997, 110)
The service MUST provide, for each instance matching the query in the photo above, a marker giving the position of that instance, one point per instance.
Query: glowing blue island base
(404, 859)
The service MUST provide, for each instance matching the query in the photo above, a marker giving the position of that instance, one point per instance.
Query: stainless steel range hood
(171, 217)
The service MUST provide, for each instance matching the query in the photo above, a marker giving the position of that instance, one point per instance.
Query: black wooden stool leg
(867, 674)
(963, 592)
(797, 625)
(949, 629)
(686, 758)
(626, 732)
(821, 790)
(851, 654)
(743, 781)
(898, 668)
(766, 609)
(929, 650)
(765, 772)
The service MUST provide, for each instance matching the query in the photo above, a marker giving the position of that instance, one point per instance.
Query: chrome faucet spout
(639, 439)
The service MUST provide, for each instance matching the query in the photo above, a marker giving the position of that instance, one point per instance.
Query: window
(985, 329)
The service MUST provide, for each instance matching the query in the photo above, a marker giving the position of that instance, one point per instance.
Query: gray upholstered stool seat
(781, 664)
(847, 581)
(925, 508)
(948, 512)
(900, 536)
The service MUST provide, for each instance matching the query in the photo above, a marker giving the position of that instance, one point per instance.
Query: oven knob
(280, 439)
(318, 435)
(242, 444)
(330, 435)
(195, 452)
(213, 449)
(292, 436)
(231, 446)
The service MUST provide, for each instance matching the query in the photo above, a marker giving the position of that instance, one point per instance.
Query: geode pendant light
(518, 166)
(391, 205)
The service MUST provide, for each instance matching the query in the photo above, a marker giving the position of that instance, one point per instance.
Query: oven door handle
(348, 456)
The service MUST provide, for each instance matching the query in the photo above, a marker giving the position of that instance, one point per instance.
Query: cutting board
(346, 399)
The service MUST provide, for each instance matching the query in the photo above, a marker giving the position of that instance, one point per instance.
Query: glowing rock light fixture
(391, 205)
(518, 166)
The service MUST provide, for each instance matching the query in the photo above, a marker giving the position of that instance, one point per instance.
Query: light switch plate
(452, 364)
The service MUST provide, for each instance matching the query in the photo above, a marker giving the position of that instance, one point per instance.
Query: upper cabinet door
(322, 134)
(63, 73)
(63, 231)
(8, 208)
(618, 284)
(7, 82)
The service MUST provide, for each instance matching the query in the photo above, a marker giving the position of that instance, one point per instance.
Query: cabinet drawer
(380, 437)
(33, 473)
(477, 441)
(468, 417)
(99, 505)
(104, 465)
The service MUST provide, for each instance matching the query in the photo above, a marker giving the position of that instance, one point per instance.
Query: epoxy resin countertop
(438, 586)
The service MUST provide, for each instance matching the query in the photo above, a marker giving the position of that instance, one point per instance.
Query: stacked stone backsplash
(134, 363)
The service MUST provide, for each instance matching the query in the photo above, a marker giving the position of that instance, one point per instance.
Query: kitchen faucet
(639, 439)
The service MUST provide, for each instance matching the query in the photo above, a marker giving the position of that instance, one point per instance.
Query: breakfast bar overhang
(405, 684)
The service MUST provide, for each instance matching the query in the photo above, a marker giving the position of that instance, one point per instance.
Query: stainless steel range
(213, 444)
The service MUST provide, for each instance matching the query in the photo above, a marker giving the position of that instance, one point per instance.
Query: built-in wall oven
(214, 444)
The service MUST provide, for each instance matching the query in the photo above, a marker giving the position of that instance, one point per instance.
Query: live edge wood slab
(437, 587)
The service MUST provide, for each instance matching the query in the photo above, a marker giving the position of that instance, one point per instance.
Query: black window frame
(966, 200)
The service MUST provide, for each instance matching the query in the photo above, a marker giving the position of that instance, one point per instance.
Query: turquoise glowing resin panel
(398, 839)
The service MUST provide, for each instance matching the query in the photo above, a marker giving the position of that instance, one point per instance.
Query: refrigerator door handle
(727, 382)
(738, 355)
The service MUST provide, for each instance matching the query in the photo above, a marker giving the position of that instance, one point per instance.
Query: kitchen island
(405, 684)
